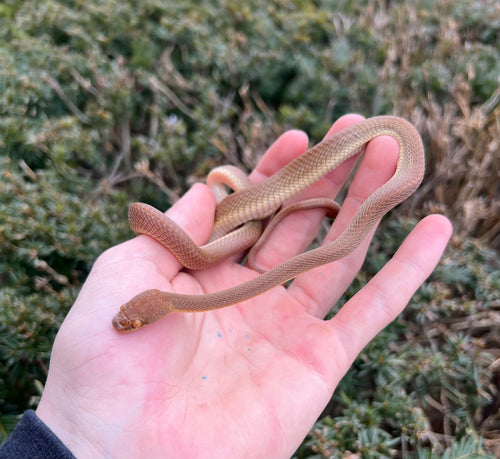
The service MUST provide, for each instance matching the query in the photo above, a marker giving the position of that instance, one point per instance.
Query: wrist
(71, 427)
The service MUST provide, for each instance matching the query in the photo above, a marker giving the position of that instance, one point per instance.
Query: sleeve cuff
(33, 439)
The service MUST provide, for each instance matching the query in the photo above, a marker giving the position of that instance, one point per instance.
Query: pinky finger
(388, 292)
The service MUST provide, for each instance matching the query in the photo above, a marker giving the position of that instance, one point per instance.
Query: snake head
(125, 323)
(142, 309)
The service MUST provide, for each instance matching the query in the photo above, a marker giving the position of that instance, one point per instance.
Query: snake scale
(247, 207)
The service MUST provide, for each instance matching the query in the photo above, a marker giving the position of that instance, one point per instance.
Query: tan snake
(247, 207)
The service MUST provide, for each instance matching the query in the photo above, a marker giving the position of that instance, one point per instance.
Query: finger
(300, 228)
(194, 213)
(388, 292)
(285, 149)
(319, 289)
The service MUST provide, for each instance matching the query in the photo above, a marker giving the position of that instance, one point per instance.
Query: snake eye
(137, 323)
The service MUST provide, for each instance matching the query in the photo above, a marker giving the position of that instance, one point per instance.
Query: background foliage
(105, 103)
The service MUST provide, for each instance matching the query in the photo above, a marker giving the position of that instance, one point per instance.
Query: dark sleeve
(34, 440)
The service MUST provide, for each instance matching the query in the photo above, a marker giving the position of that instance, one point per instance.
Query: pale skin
(244, 381)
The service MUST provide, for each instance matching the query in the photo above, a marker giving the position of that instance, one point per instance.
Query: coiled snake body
(245, 208)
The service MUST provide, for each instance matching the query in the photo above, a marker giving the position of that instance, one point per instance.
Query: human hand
(244, 381)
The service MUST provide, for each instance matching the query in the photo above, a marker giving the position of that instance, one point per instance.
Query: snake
(239, 216)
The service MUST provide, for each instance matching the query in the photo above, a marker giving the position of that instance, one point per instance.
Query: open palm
(244, 381)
